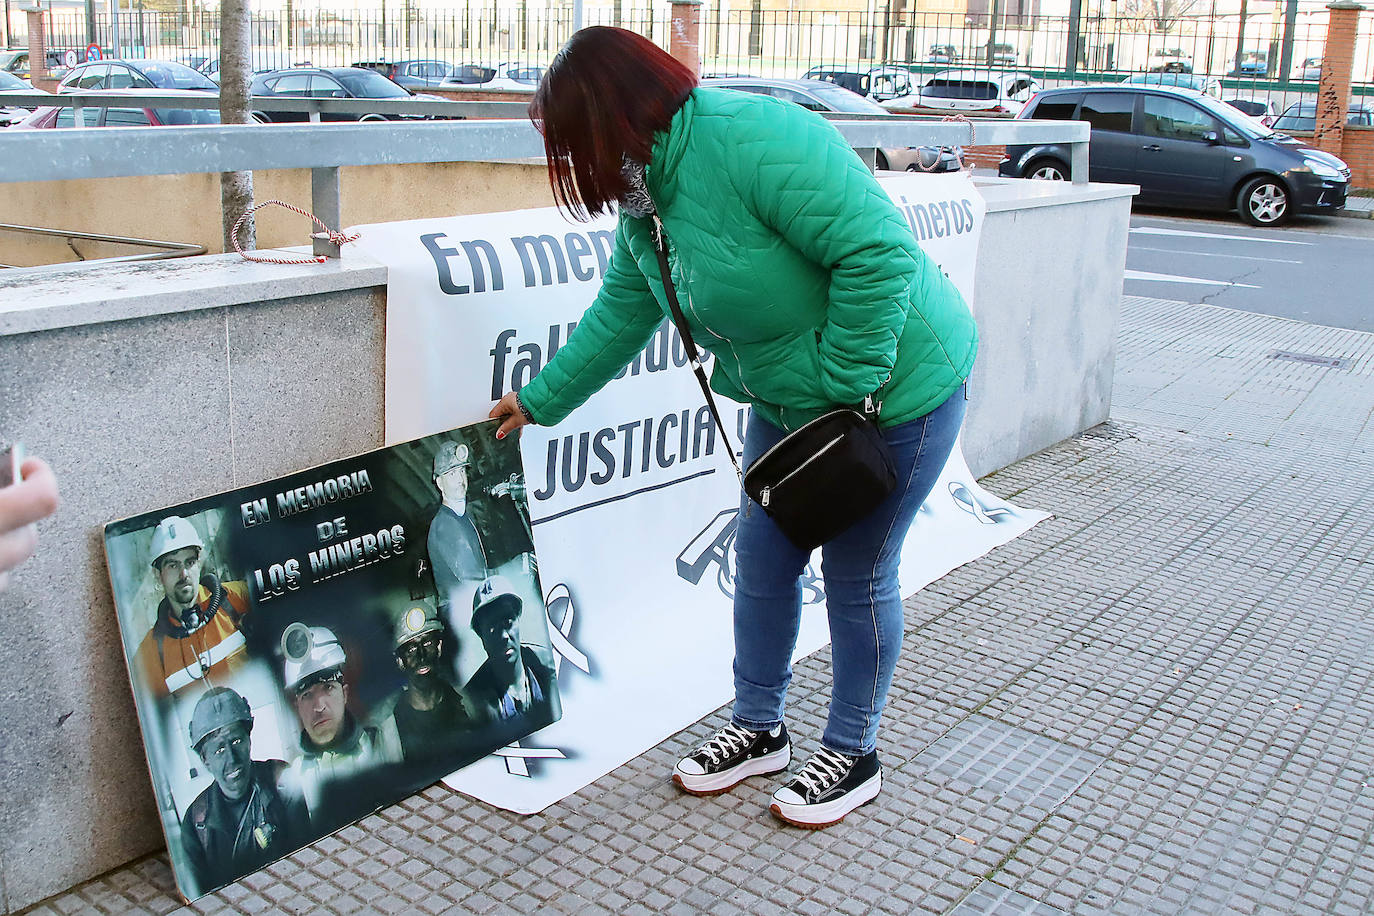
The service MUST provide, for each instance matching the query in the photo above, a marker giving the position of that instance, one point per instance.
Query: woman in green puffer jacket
(799, 275)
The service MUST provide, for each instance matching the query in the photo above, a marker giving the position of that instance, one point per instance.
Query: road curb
(1355, 214)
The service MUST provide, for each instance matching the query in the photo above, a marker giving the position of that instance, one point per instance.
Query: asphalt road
(1319, 270)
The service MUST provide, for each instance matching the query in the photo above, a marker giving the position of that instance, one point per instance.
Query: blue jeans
(862, 595)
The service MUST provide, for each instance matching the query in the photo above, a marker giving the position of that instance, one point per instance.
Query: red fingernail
(500, 435)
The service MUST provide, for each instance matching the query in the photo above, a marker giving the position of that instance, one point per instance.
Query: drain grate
(1009, 762)
(988, 899)
(1330, 362)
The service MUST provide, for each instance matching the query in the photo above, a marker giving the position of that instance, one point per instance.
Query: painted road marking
(1170, 278)
(1184, 233)
(1216, 254)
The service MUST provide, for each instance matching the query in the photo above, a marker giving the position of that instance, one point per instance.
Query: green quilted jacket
(794, 269)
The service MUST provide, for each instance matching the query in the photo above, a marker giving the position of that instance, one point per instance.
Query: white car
(990, 91)
(508, 76)
(13, 85)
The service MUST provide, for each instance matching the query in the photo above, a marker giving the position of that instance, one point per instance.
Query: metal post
(1240, 38)
(114, 28)
(577, 14)
(1071, 49)
(1290, 25)
(325, 203)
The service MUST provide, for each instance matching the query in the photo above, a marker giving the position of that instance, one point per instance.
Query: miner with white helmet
(336, 747)
(197, 637)
(455, 546)
(245, 818)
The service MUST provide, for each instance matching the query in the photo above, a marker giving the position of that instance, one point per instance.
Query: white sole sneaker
(716, 783)
(826, 814)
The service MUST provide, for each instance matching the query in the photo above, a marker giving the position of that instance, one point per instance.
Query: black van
(1184, 149)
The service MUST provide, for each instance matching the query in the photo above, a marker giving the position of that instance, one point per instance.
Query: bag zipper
(768, 491)
(765, 455)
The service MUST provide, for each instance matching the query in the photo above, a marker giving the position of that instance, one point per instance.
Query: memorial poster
(308, 649)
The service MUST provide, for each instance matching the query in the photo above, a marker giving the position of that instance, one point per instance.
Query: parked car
(1003, 54)
(263, 64)
(1170, 60)
(1209, 85)
(510, 76)
(942, 54)
(821, 95)
(1303, 116)
(1252, 63)
(10, 85)
(878, 83)
(148, 75)
(17, 62)
(412, 74)
(990, 91)
(93, 116)
(1310, 69)
(330, 83)
(1185, 149)
(1263, 110)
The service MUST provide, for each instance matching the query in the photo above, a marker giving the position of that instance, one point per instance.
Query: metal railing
(1267, 44)
(58, 155)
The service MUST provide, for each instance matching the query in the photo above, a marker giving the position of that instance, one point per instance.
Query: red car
(121, 117)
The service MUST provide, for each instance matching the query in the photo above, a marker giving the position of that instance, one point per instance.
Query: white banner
(633, 503)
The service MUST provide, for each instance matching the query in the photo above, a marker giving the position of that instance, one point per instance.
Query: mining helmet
(495, 595)
(451, 455)
(420, 617)
(174, 533)
(308, 651)
(216, 708)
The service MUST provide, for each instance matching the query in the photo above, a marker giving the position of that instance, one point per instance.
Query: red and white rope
(333, 235)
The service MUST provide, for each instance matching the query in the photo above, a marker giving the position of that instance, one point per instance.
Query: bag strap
(661, 249)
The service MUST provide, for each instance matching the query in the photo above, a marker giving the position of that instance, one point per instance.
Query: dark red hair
(606, 94)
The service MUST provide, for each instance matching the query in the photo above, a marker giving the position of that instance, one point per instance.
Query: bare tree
(1162, 15)
(235, 92)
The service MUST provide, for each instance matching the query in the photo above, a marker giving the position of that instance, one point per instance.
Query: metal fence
(1263, 48)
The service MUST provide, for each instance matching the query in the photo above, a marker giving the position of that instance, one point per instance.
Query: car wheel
(1048, 170)
(880, 162)
(1264, 201)
(260, 118)
(372, 117)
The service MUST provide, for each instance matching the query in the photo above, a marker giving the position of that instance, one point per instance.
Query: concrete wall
(152, 384)
(186, 208)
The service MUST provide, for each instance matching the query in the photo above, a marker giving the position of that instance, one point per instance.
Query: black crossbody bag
(819, 480)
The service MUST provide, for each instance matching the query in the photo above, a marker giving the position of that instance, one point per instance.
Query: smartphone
(11, 457)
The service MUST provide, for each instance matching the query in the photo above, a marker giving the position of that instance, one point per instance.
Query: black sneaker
(730, 756)
(830, 786)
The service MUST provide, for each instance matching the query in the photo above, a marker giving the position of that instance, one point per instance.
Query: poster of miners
(306, 650)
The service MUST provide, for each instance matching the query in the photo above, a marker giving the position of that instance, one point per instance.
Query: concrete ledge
(1004, 194)
(47, 298)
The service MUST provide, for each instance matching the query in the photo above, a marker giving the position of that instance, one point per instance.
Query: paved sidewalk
(1159, 701)
(1361, 207)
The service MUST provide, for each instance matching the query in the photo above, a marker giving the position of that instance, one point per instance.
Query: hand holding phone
(28, 492)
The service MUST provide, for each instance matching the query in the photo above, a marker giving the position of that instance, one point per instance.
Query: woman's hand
(508, 409)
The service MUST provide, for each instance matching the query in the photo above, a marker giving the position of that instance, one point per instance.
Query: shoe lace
(823, 770)
(729, 740)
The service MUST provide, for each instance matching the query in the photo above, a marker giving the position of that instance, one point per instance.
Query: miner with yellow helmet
(246, 818)
(429, 714)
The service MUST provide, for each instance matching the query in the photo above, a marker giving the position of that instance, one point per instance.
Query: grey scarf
(635, 201)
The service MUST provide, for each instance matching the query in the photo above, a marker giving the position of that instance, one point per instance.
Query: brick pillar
(1338, 63)
(38, 46)
(684, 38)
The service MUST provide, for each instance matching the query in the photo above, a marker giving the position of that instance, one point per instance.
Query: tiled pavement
(1159, 701)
